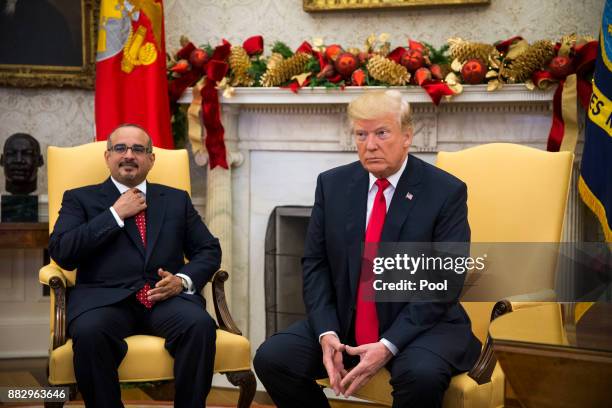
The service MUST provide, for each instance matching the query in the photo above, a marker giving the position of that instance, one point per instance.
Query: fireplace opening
(284, 248)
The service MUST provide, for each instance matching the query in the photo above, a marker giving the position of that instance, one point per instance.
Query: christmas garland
(439, 71)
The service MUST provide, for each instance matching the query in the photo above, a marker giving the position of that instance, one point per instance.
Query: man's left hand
(170, 285)
(373, 357)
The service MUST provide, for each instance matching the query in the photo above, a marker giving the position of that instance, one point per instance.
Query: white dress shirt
(142, 187)
(389, 191)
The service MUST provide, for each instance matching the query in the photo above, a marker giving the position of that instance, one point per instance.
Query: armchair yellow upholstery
(83, 165)
(515, 194)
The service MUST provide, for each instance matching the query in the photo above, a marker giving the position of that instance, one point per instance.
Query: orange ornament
(332, 52)
(358, 77)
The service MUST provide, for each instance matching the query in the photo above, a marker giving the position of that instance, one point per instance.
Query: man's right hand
(130, 203)
(332, 360)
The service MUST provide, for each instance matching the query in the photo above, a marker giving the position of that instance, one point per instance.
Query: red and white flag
(131, 83)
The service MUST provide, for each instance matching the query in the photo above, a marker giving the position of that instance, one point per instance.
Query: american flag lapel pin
(409, 196)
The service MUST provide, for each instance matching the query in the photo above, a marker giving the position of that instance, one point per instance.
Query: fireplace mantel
(319, 95)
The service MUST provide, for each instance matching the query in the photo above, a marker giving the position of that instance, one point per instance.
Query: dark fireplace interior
(284, 247)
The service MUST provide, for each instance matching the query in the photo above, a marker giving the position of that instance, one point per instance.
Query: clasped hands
(373, 357)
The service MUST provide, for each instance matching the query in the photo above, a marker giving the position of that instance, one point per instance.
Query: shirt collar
(393, 179)
(123, 188)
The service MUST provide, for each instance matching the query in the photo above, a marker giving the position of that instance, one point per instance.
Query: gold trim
(330, 5)
(595, 205)
(30, 76)
(569, 112)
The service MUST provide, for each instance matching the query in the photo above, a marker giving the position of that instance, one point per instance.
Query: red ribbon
(305, 47)
(584, 61)
(397, 54)
(436, 90)
(503, 46)
(211, 111)
(540, 78)
(585, 64)
(179, 85)
(185, 52)
(253, 45)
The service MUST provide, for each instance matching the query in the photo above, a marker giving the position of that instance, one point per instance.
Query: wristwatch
(184, 283)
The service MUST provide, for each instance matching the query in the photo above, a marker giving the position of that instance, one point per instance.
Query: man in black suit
(400, 198)
(128, 239)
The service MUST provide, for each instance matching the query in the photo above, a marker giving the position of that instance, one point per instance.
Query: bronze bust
(21, 159)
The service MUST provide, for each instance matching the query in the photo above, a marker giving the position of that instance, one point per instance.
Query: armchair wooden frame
(245, 380)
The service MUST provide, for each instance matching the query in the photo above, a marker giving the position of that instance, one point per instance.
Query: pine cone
(240, 63)
(279, 72)
(535, 57)
(387, 71)
(464, 50)
(274, 60)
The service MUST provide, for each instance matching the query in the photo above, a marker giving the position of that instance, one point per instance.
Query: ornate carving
(59, 313)
(247, 383)
(224, 318)
(483, 368)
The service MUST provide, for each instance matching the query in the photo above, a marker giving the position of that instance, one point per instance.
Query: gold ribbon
(194, 120)
(569, 110)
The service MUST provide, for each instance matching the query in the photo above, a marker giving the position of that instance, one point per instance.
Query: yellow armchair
(82, 165)
(515, 194)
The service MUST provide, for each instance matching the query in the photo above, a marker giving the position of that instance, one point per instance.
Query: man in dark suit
(128, 239)
(400, 198)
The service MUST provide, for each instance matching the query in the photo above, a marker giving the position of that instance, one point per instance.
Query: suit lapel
(108, 193)
(355, 226)
(156, 207)
(404, 199)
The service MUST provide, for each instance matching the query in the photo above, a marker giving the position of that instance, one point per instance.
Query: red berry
(436, 71)
(346, 63)
(412, 60)
(560, 67)
(473, 71)
(198, 58)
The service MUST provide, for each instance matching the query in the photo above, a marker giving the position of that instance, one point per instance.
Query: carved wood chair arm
(224, 318)
(52, 276)
(483, 368)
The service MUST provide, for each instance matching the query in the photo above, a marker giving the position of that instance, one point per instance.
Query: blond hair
(373, 105)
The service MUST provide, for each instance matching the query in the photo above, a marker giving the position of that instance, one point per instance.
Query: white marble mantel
(279, 142)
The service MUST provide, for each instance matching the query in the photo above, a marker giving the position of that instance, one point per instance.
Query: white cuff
(117, 218)
(190, 289)
(327, 332)
(390, 346)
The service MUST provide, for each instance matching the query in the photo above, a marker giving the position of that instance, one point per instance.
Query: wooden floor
(32, 373)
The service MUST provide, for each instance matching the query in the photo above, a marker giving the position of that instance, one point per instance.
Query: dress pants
(289, 362)
(99, 347)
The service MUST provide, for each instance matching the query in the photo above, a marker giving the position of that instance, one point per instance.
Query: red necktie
(141, 223)
(366, 318)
